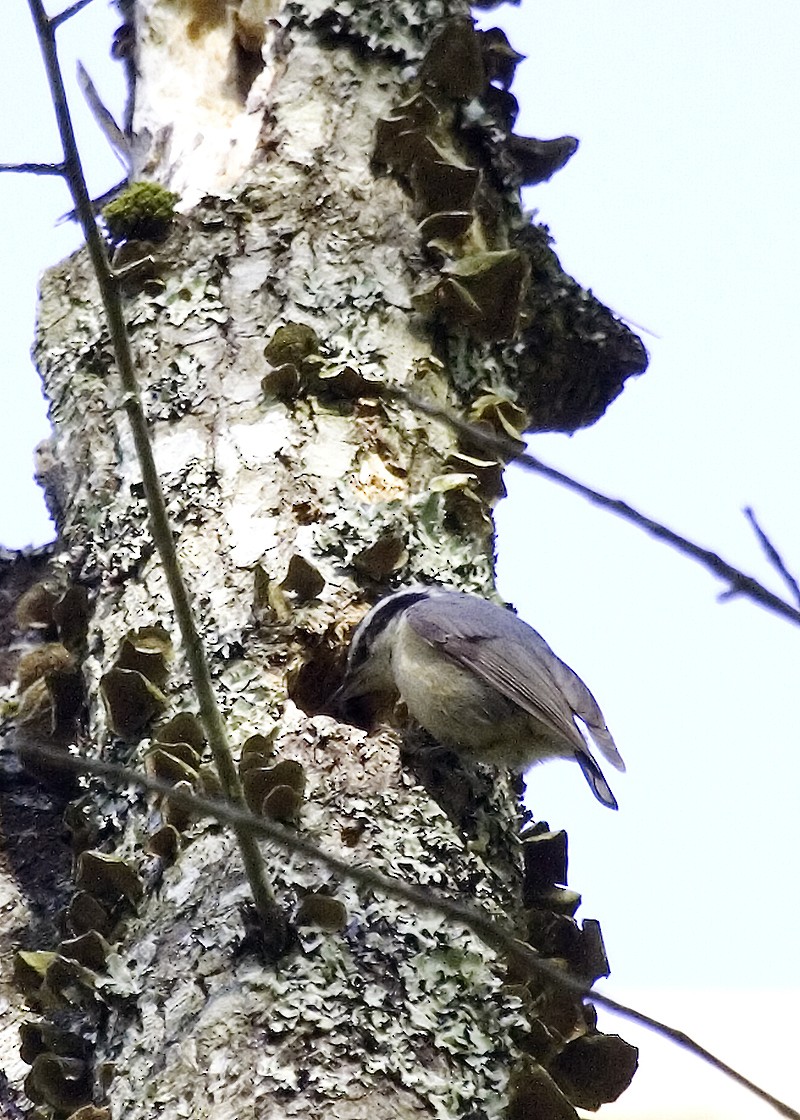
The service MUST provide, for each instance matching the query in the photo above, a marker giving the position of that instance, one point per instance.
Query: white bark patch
(261, 439)
(252, 535)
(176, 448)
(204, 129)
(14, 915)
(332, 454)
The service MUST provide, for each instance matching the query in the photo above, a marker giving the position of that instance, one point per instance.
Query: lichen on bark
(296, 489)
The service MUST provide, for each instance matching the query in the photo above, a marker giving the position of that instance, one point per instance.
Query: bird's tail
(597, 783)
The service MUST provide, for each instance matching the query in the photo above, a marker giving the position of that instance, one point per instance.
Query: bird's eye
(359, 654)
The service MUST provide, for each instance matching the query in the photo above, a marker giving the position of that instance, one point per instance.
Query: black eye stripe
(377, 621)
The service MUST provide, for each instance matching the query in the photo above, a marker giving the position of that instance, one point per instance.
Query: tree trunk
(349, 218)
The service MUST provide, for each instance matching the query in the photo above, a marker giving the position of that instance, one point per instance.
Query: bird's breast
(462, 711)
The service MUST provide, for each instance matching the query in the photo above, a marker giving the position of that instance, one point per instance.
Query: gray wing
(511, 656)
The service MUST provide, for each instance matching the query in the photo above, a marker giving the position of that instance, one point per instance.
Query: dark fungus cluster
(498, 282)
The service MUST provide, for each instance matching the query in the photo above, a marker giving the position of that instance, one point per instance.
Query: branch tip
(36, 168)
(772, 554)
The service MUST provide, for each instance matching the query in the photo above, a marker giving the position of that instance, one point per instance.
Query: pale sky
(679, 211)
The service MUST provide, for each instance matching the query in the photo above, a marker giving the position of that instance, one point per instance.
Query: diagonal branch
(739, 582)
(97, 203)
(104, 118)
(497, 936)
(263, 897)
(772, 554)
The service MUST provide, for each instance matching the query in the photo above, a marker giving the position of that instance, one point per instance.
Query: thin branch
(104, 118)
(497, 936)
(772, 554)
(68, 13)
(680, 1038)
(210, 715)
(36, 168)
(739, 582)
(97, 204)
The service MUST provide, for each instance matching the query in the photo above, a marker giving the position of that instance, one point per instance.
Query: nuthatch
(479, 680)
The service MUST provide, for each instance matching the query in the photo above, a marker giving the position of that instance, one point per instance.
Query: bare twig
(268, 910)
(35, 168)
(68, 13)
(497, 936)
(772, 554)
(680, 1038)
(739, 582)
(104, 118)
(97, 204)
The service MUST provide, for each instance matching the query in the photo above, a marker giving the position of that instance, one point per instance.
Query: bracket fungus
(109, 878)
(317, 909)
(90, 1112)
(441, 229)
(89, 949)
(535, 161)
(594, 1069)
(533, 1092)
(481, 293)
(399, 137)
(276, 791)
(50, 701)
(71, 615)
(131, 701)
(41, 661)
(85, 913)
(147, 650)
(184, 727)
(451, 143)
(165, 843)
(61, 1083)
(499, 57)
(34, 608)
(176, 815)
(257, 750)
(386, 555)
(40, 1036)
(454, 61)
(171, 764)
(303, 579)
(440, 180)
(51, 981)
(289, 352)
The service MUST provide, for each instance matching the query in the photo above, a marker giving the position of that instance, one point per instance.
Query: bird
(480, 680)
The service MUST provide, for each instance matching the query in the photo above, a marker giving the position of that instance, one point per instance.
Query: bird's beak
(347, 690)
(339, 699)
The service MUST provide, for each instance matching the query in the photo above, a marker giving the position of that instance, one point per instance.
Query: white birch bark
(262, 117)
